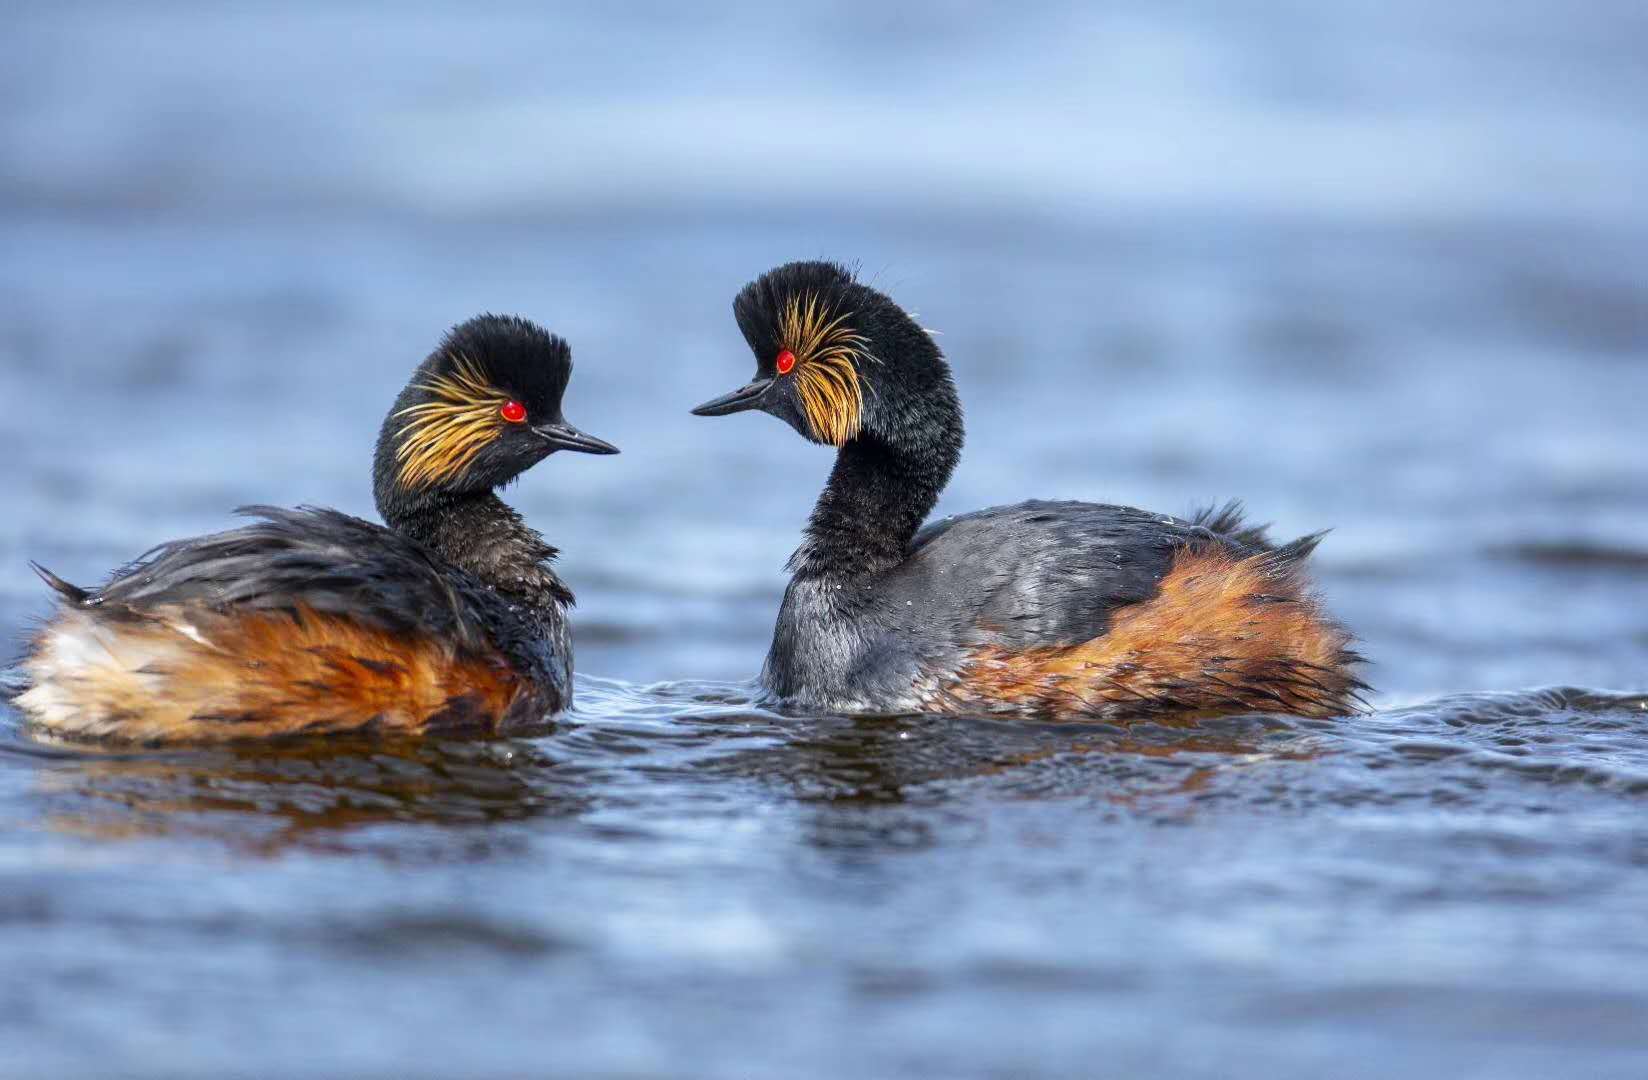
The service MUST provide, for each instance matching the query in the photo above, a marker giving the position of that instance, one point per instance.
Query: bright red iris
(786, 361)
(514, 412)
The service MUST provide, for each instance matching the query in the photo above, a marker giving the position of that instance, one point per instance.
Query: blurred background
(1374, 265)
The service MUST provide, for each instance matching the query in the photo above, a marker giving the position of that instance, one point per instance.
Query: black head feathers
(481, 409)
(517, 356)
(837, 359)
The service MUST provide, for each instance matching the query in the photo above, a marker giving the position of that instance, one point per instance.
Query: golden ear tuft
(828, 352)
(442, 436)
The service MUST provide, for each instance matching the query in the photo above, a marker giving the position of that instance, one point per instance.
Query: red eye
(786, 361)
(514, 412)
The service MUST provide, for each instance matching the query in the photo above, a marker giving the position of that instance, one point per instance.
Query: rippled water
(1375, 267)
(675, 876)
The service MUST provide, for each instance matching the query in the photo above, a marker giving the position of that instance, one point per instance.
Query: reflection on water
(676, 840)
(632, 747)
(261, 798)
(264, 800)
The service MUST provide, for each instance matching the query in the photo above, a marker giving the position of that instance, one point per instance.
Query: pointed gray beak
(745, 397)
(563, 436)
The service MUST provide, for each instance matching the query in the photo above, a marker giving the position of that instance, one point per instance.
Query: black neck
(482, 534)
(877, 496)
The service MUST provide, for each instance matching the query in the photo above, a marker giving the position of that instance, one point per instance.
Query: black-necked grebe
(312, 621)
(1051, 609)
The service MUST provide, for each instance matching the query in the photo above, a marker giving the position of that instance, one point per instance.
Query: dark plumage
(309, 620)
(1058, 609)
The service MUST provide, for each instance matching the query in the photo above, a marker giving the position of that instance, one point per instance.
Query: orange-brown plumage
(188, 676)
(1224, 633)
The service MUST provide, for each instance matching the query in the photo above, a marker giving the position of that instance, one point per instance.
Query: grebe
(1060, 610)
(311, 621)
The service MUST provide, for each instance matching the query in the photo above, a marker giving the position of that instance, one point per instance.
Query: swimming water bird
(1059, 610)
(448, 618)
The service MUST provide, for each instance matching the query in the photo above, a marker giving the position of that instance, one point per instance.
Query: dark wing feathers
(74, 594)
(1226, 521)
(322, 559)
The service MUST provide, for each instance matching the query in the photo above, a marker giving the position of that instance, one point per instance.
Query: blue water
(1378, 267)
